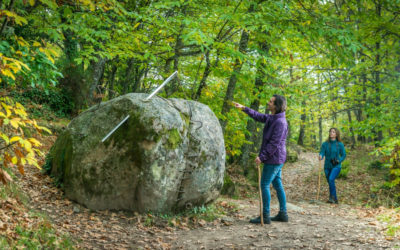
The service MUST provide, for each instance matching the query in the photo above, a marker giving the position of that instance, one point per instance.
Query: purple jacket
(273, 147)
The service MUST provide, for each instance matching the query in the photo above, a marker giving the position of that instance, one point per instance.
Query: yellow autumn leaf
(32, 2)
(36, 44)
(27, 145)
(8, 73)
(14, 160)
(15, 122)
(53, 52)
(15, 67)
(23, 65)
(43, 128)
(35, 142)
(15, 138)
(136, 25)
(20, 112)
(7, 108)
(32, 161)
(8, 13)
(21, 42)
(19, 105)
(5, 138)
(38, 152)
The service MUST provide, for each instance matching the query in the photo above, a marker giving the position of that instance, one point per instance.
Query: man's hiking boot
(281, 216)
(267, 219)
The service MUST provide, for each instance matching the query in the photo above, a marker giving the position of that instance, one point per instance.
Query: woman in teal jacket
(334, 153)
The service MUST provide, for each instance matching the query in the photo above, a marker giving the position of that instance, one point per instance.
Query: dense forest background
(337, 62)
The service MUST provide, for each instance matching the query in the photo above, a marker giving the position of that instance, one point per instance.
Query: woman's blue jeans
(272, 174)
(331, 174)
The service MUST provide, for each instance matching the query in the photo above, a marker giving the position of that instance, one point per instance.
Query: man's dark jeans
(272, 174)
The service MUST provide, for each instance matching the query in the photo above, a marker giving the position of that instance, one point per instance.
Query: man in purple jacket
(272, 154)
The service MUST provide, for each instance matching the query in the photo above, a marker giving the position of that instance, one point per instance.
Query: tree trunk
(96, 72)
(128, 75)
(353, 138)
(111, 82)
(206, 73)
(73, 82)
(379, 136)
(233, 79)
(320, 130)
(303, 117)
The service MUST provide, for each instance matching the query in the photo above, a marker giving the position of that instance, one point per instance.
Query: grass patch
(194, 217)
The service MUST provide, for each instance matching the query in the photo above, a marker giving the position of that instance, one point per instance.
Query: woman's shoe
(281, 216)
(333, 200)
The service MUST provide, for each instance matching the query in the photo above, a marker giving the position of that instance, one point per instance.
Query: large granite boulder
(169, 155)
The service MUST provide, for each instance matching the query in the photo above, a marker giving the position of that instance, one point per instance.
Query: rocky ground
(313, 224)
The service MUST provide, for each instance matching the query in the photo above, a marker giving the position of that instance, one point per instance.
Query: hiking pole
(319, 178)
(115, 128)
(145, 100)
(259, 190)
(161, 86)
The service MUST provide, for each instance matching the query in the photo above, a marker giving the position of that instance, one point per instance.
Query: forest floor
(312, 224)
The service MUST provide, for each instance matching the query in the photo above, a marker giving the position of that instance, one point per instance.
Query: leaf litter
(311, 226)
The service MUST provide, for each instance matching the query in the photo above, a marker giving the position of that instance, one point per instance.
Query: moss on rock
(60, 157)
(174, 139)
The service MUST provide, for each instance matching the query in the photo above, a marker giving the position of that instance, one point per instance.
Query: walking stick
(259, 190)
(319, 178)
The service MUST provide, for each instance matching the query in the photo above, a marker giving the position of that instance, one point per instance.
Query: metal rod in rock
(162, 85)
(115, 128)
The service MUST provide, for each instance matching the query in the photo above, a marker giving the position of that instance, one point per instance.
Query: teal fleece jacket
(334, 150)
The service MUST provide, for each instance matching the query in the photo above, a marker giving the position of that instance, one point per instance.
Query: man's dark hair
(280, 104)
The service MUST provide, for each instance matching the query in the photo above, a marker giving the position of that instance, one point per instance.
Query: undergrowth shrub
(345, 170)
(45, 102)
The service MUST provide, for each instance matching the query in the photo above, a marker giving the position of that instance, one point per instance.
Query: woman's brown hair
(337, 135)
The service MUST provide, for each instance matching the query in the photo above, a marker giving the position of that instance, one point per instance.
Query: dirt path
(315, 225)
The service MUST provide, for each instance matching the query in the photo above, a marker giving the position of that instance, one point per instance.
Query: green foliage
(345, 170)
(376, 165)
(29, 65)
(392, 159)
